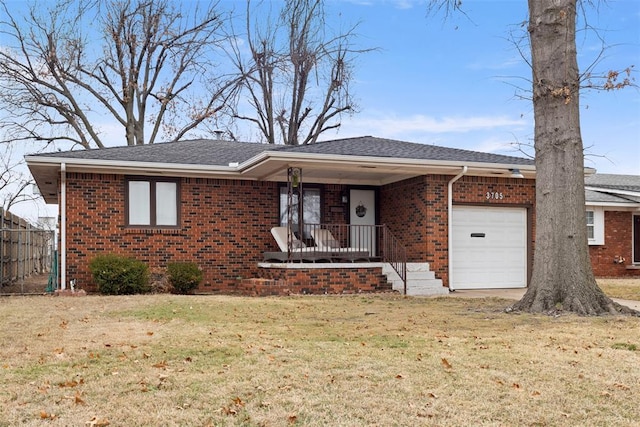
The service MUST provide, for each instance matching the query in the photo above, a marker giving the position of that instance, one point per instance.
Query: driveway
(516, 294)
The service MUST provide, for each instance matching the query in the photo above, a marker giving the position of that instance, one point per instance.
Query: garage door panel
(497, 259)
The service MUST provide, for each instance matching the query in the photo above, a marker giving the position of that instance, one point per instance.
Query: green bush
(118, 275)
(184, 276)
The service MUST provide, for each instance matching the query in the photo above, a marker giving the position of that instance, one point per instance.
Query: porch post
(294, 185)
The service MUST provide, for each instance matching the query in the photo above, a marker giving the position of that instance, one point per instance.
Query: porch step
(421, 280)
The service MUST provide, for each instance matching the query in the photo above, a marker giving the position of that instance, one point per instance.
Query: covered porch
(383, 227)
(327, 250)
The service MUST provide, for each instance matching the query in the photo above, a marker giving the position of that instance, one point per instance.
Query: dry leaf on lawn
(446, 364)
(97, 422)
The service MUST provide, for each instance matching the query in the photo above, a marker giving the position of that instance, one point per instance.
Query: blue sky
(457, 82)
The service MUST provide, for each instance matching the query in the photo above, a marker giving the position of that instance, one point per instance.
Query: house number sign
(494, 195)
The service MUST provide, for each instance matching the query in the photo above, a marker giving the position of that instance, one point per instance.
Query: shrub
(118, 275)
(184, 276)
(159, 280)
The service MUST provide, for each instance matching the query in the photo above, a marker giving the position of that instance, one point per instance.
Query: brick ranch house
(613, 221)
(463, 219)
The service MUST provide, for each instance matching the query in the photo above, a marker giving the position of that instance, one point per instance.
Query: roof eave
(612, 191)
(630, 205)
(129, 166)
(420, 165)
(46, 171)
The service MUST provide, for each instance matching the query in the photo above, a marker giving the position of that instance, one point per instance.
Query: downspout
(63, 226)
(450, 224)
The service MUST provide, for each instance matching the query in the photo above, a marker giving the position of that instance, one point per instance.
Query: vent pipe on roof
(450, 224)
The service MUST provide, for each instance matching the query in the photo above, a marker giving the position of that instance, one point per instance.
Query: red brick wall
(317, 281)
(224, 224)
(224, 228)
(333, 210)
(405, 209)
(618, 232)
(416, 211)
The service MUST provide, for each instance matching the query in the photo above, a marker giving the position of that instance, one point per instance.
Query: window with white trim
(590, 225)
(595, 225)
(152, 202)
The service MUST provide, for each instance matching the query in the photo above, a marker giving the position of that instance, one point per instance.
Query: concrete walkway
(516, 294)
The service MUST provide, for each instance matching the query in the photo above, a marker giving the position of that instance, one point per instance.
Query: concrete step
(420, 280)
(421, 275)
(426, 288)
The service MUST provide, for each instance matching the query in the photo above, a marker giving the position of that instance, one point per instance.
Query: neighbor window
(310, 207)
(152, 202)
(595, 225)
(590, 225)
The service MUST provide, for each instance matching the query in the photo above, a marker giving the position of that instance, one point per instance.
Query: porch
(340, 259)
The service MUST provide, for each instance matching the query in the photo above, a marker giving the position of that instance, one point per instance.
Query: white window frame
(598, 225)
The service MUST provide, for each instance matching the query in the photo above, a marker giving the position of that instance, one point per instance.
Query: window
(152, 202)
(595, 225)
(590, 225)
(310, 208)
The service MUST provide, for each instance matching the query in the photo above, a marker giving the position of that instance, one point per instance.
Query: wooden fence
(25, 250)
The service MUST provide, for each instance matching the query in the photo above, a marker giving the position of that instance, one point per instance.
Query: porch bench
(313, 256)
(310, 256)
(351, 255)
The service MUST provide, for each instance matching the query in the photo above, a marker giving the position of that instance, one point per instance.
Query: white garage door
(489, 247)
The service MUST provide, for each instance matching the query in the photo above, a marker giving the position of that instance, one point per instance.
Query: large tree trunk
(562, 277)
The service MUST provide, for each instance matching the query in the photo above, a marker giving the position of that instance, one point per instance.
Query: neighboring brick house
(613, 221)
(214, 202)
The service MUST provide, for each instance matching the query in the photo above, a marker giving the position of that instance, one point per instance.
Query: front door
(362, 213)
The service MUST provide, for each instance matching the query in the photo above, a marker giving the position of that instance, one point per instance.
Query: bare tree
(13, 180)
(562, 277)
(297, 74)
(142, 64)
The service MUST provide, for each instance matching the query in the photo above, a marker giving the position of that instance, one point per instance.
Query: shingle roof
(382, 147)
(614, 182)
(193, 152)
(601, 197)
(221, 153)
(606, 188)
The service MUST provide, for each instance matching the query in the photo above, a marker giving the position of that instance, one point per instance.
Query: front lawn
(313, 361)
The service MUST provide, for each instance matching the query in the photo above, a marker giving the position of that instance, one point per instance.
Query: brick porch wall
(618, 232)
(285, 281)
(224, 228)
(416, 211)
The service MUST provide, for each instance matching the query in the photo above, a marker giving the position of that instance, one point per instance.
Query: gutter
(63, 226)
(450, 223)
(129, 165)
(615, 191)
(301, 158)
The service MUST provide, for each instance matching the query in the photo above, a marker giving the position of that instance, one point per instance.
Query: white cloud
(398, 4)
(506, 144)
(497, 64)
(394, 126)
